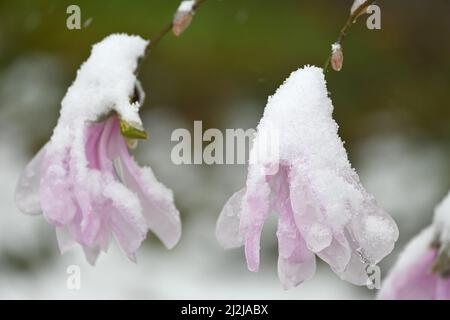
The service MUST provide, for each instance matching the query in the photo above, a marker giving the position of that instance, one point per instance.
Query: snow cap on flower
(183, 16)
(422, 270)
(322, 207)
(84, 180)
(106, 82)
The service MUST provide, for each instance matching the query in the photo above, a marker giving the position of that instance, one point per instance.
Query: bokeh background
(391, 101)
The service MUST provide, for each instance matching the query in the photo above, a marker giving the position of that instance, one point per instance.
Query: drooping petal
(308, 213)
(126, 220)
(156, 200)
(117, 210)
(64, 239)
(55, 193)
(255, 210)
(227, 228)
(411, 277)
(296, 263)
(337, 254)
(356, 271)
(27, 189)
(91, 173)
(91, 254)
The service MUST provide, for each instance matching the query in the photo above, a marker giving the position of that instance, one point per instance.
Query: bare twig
(351, 19)
(131, 132)
(155, 40)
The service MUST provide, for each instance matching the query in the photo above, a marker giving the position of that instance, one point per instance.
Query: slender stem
(351, 19)
(127, 130)
(160, 36)
(155, 40)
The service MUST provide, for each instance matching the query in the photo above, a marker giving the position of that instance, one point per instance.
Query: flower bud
(337, 57)
(356, 5)
(183, 17)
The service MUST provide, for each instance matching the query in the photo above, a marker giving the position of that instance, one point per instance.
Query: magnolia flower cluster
(323, 210)
(90, 188)
(423, 268)
(84, 180)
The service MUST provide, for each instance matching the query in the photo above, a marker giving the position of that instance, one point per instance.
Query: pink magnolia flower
(422, 271)
(356, 5)
(322, 207)
(412, 277)
(84, 180)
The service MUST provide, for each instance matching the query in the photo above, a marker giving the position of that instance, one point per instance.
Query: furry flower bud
(337, 57)
(183, 17)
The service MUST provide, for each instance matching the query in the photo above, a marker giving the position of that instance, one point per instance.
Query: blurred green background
(244, 49)
(392, 103)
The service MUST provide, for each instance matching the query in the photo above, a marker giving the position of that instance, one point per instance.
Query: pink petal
(126, 220)
(296, 263)
(337, 254)
(308, 213)
(91, 254)
(64, 239)
(156, 200)
(55, 193)
(227, 228)
(411, 277)
(355, 271)
(27, 189)
(255, 210)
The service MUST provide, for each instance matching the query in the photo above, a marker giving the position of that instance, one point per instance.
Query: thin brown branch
(350, 21)
(155, 40)
(125, 129)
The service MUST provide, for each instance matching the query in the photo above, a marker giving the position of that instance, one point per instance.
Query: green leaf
(132, 132)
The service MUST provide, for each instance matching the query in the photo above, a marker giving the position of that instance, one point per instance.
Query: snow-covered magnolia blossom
(84, 180)
(322, 207)
(423, 268)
